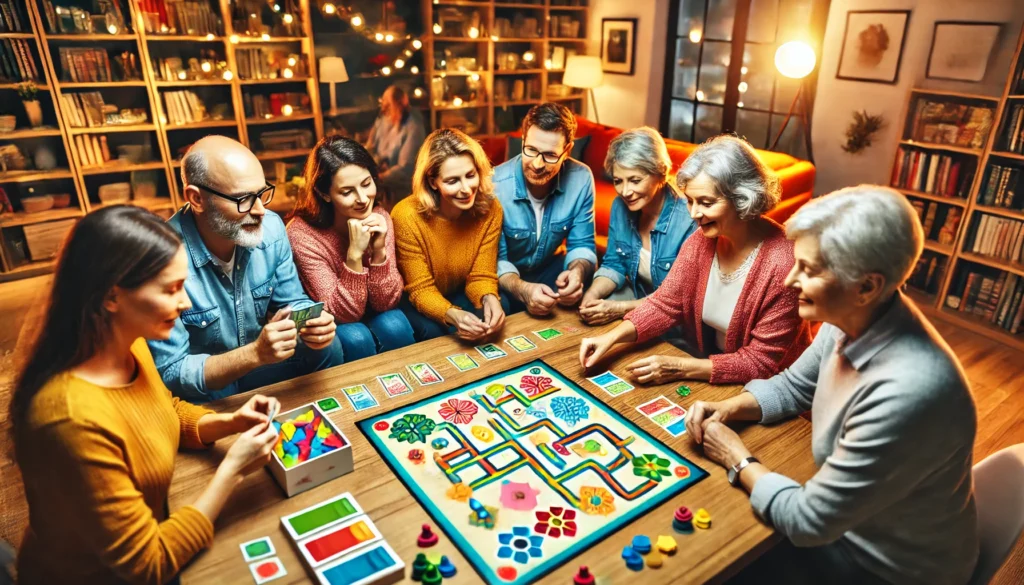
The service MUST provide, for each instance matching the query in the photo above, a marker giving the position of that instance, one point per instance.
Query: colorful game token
(702, 519)
(329, 404)
(255, 550)
(427, 538)
(446, 568)
(633, 559)
(305, 437)
(667, 545)
(683, 520)
(583, 577)
(267, 570)
(654, 559)
(431, 576)
(642, 544)
(419, 566)
(683, 390)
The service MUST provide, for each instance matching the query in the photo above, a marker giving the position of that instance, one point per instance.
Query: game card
(360, 397)
(425, 374)
(329, 404)
(521, 343)
(394, 384)
(620, 387)
(300, 316)
(604, 379)
(255, 550)
(663, 419)
(463, 362)
(677, 428)
(657, 405)
(267, 570)
(491, 351)
(611, 384)
(548, 334)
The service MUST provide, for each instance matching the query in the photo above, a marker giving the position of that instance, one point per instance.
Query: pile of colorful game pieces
(303, 438)
(683, 520)
(641, 552)
(432, 571)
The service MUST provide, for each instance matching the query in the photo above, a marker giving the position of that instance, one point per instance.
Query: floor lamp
(584, 72)
(796, 60)
(332, 70)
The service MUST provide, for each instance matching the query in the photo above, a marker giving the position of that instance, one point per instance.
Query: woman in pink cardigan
(344, 248)
(726, 289)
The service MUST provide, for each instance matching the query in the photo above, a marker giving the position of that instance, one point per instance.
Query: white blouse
(722, 293)
(643, 272)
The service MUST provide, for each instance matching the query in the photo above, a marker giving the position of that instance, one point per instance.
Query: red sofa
(797, 176)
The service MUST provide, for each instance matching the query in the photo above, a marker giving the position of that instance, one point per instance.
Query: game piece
(633, 559)
(434, 558)
(255, 550)
(425, 374)
(394, 385)
(683, 520)
(463, 362)
(666, 545)
(267, 570)
(683, 390)
(642, 544)
(308, 438)
(419, 566)
(447, 568)
(431, 576)
(427, 538)
(568, 500)
(702, 519)
(583, 576)
(654, 559)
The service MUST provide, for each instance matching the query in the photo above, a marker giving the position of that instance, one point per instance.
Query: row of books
(951, 123)
(997, 237)
(209, 66)
(269, 106)
(932, 172)
(17, 62)
(267, 63)
(1000, 186)
(948, 218)
(90, 65)
(179, 17)
(76, 20)
(997, 299)
(13, 17)
(183, 107)
(1012, 139)
(85, 109)
(92, 149)
(927, 273)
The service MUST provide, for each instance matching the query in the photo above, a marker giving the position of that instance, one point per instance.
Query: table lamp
(332, 70)
(584, 72)
(796, 60)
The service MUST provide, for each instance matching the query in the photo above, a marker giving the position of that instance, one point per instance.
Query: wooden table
(255, 509)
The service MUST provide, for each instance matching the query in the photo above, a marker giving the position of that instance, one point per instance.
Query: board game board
(524, 470)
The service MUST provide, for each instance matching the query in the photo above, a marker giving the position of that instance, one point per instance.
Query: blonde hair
(440, 146)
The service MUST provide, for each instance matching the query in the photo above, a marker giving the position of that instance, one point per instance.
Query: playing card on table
(394, 385)
(360, 397)
(604, 379)
(425, 374)
(521, 343)
(491, 351)
(463, 362)
(548, 334)
(329, 404)
(657, 405)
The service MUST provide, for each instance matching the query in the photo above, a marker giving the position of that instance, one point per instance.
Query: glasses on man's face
(247, 200)
(549, 157)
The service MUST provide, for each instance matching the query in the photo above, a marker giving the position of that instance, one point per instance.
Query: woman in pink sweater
(726, 289)
(344, 248)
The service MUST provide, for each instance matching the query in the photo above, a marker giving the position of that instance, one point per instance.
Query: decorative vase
(34, 112)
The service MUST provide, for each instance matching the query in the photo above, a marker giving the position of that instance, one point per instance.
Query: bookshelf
(489, 62)
(978, 282)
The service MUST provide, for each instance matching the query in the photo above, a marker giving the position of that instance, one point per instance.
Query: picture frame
(961, 50)
(618, 45)
(872, 48)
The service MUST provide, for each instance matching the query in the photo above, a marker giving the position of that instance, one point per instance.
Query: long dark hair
(121, 246)
(329, 155)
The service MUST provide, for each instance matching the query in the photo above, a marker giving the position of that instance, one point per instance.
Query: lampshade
(583, 71)
(795, 59)
(332, 70)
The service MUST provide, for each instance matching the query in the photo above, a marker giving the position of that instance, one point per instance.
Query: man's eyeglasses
(246, 201)
(549, 157)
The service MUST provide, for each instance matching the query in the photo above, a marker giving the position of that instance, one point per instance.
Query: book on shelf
(936, 173)
(951, 122)
(84, 109)
(17, 61)
(997, 237)
(178, 17)
(183, 107)
(927, 273)
(994, 296)
(1012, 137)
(270, 63)
(270, 106)
(1000, 186)
(93, 150)
(13, 17)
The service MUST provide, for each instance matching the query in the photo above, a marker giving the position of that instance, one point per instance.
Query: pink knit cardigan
(320, 260)
(766, 333)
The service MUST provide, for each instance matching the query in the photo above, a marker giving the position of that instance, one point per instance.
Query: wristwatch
(734, 471)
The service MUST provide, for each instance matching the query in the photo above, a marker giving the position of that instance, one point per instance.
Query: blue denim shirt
(622, 258)
(225, 314)
(568, 216)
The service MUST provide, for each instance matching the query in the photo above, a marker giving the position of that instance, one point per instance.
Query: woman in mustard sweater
(96, 430)
(447, 234)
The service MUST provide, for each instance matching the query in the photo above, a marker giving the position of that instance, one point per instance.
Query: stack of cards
(666, 414)
(611, 383)
(360, 397)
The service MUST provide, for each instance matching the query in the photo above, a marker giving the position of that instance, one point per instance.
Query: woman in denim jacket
(649, 222)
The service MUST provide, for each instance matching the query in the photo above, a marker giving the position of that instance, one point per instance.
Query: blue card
(360, 397)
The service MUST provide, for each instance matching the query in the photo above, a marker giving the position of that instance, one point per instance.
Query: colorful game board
(525, 470)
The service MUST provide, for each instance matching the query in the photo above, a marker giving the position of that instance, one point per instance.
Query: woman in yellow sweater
(96, 430)
(447, 234)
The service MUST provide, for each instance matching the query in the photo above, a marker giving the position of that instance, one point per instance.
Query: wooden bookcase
(496, 109)
(960, 260)
(82, 180)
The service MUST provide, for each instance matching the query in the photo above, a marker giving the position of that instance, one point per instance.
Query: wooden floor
(996, 373)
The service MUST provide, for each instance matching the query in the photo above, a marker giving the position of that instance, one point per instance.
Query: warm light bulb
(265, 36)
(209, 36)
(474, 32)
(700, 95)
(112, 29)
(739, 104)
(437, 29)
(286, 110)
(414, 70)
(529, 56)
(475, 77)
(743, 70)
(742, 87)
(385, 70)
(389, 38)
(407, 52)
(292, 61)
(417, 93)
(795, 59)
(288, 18)
(228, 75)
(234, 39)
(457, 101)
(379, 37)
(287, 73)
(696, 36)
(399, 63)
(495, 38)
(206, 67)
(277, 8)
(417, 44)
(547, 63)
(163, 28)
(329, 8)
(357, 21)
(182, 75)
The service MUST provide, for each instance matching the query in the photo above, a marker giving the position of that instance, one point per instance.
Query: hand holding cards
(303, 314)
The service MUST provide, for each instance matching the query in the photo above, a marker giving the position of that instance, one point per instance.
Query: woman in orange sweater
(447, 234)
(96, 430)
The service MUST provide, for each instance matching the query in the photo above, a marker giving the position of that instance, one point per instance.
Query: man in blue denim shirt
(240, 268)
(547, 198)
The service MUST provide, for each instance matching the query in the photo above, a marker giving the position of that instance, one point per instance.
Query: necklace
(739, 272)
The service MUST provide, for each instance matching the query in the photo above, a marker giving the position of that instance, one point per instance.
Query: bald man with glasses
(242, 282)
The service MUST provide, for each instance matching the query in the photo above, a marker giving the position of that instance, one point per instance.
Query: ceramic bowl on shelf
(8, 123)
(115, 193)
(37, 204)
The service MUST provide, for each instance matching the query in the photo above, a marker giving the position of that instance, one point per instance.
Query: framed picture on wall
(618, 45)
(873, 45)
(961, 50)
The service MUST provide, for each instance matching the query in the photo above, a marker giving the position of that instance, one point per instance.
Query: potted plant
(29, 94)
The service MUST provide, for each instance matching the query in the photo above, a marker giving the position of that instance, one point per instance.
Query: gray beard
(232, 230)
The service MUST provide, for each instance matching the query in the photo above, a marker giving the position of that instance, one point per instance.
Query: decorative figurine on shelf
(948, 231)
(29, 94)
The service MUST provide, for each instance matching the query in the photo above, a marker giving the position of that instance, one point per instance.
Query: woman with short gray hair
(648, 224)
(725, 291)
(893, 418)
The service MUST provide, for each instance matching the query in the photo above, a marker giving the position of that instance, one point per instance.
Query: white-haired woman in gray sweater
(893, 418)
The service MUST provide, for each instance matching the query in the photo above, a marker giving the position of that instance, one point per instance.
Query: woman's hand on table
(592, 349)
(467, 325)
(254, 412)
(600, 311)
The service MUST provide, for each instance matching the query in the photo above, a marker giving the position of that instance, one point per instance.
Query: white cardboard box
(316, 470)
